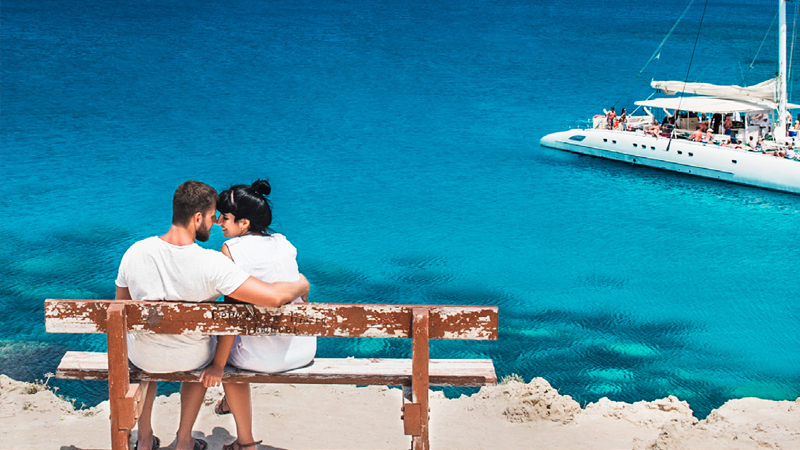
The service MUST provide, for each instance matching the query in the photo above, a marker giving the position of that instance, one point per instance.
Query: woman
(245, 217)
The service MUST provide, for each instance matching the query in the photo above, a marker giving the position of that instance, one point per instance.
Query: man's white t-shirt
(153, 269)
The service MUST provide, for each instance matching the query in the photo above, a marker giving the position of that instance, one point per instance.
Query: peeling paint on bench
(307, 319)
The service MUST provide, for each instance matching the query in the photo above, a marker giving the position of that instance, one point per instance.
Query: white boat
(773, 164)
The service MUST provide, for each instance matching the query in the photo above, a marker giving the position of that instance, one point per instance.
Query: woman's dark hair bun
(262, 187)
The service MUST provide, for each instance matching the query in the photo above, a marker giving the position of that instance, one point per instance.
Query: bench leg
(124, 398)
(415, 414)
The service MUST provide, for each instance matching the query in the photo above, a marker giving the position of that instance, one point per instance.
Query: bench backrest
(305, 319)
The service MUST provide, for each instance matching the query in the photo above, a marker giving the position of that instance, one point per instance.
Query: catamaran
(755, 150)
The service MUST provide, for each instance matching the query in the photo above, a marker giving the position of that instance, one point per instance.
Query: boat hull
(680, 155)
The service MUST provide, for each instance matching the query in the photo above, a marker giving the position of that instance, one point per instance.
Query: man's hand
(212, 376)
(274, 294)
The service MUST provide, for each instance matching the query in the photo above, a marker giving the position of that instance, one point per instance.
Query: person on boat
(797, 123)
(697, 136)
(716, 120)
(763, 123)
(623, 120)
(752, 143)
(668, 127)
(611, 116)
(708, 137)
(728, 124)
(245, 217)
(735, 144)
(704, 121)
(778, 153)
(654, 130)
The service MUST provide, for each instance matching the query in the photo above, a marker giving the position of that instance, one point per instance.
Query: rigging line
(689, 69)
(639, 106)
(744, 78)
(656, 54)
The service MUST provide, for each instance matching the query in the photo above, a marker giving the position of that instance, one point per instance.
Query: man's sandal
(222, 408)
(235, 445)
(156, 443)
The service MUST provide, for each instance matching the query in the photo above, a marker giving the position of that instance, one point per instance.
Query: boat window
(691, 154)
(613, 142)
(652, 148)
(680, 152)
(605, 140)
(635, 145)
(733, 161)
(577, 137)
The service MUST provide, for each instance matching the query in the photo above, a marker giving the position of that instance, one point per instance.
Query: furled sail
(710, 104)
(766, 90)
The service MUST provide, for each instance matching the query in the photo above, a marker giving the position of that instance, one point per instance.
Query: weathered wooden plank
(420, 357)
(359, 371)
(308, 319)
(122, 410)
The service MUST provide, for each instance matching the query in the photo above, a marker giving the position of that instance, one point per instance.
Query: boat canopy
(767, 90)
(712, 104)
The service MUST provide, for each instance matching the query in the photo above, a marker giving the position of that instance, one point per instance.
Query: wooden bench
(420, 323)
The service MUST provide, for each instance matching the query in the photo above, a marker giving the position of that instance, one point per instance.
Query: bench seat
(358, 371)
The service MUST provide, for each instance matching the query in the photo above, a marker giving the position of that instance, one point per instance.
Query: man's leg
(238, 397)
(192, 395)
(145, 434)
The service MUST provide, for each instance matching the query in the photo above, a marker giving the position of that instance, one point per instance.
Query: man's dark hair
(192, 197)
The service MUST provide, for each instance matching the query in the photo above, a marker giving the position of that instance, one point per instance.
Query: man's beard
(203, 233)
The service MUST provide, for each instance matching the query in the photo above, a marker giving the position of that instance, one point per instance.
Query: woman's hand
(212, 376)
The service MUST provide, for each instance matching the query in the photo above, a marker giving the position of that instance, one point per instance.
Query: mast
(780, 132)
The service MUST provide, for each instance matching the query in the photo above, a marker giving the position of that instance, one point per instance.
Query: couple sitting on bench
(254, 267)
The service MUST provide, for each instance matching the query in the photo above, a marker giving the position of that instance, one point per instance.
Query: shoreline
(511, 415)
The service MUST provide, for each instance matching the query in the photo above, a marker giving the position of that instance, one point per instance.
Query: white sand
(508, 416)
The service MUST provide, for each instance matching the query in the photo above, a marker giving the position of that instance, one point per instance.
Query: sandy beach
(512, 415)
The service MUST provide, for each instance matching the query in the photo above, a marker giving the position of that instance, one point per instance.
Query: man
(697, 136)
(611, 116)
(174, 267)
(728, 124)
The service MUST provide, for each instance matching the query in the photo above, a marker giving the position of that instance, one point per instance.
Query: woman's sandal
(156, 443)
(222, 408)
(235, 445)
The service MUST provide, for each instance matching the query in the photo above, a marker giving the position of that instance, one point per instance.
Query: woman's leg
(238, 397)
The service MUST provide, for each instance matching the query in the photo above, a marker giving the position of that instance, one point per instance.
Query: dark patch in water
(468, 295)
(600, 281)
(417, 262)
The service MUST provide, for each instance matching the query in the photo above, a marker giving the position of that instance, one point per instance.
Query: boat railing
(577, 124)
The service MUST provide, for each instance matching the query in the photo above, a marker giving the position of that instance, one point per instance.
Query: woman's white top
(269, 258)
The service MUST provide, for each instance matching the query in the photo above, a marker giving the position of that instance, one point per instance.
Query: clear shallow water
(402, 144)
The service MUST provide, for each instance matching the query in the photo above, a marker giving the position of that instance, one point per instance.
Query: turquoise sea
(402, 142)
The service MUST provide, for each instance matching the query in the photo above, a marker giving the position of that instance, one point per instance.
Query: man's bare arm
(275, 294)
(123, 293)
